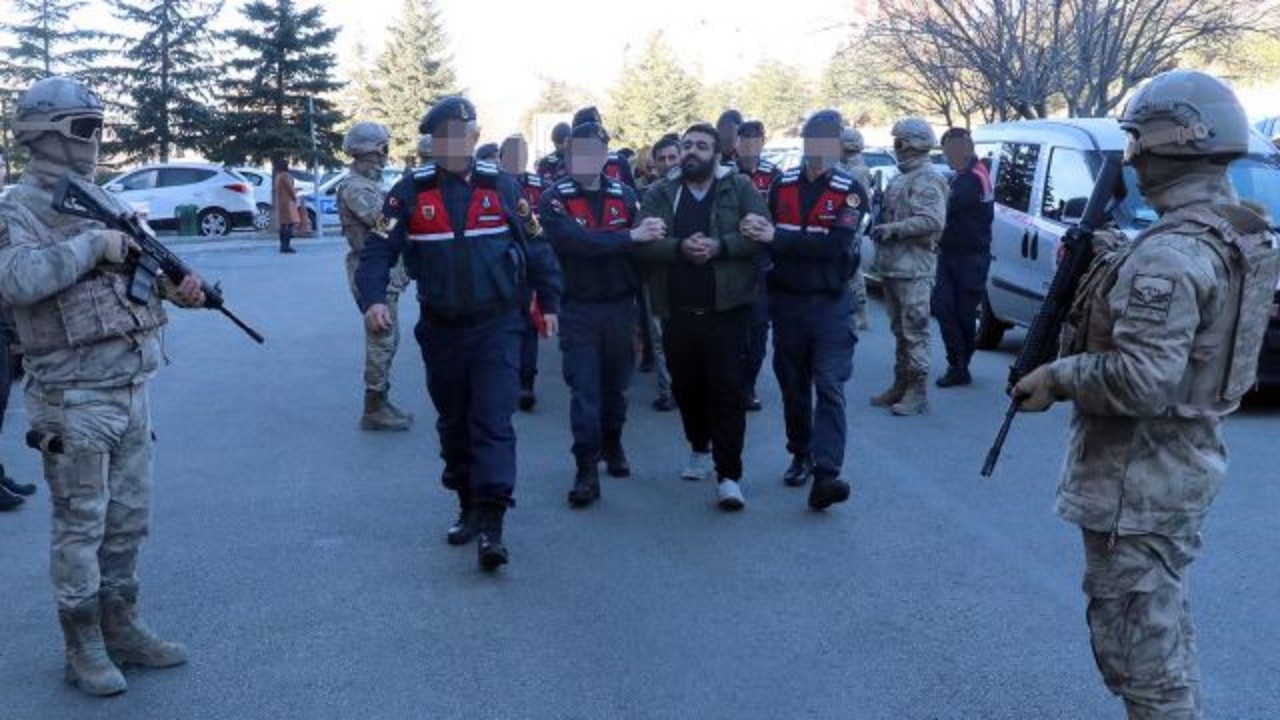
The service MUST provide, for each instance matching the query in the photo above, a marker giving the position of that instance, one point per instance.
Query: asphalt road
(303, 560)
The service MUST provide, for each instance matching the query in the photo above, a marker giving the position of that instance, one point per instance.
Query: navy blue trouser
(957, 293)
(597, 340)
(813, 341)
(473, 376)
(528, 342)
(758, 344)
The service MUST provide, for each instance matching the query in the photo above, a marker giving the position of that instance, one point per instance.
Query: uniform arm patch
(1150, 297)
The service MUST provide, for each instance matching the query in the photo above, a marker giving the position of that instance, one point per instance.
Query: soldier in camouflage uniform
(89, 355)
(1161, 343)
(360, 199)
(852, 143)
(914, 212)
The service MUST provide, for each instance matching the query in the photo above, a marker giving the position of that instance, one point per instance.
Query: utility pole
(315, 175)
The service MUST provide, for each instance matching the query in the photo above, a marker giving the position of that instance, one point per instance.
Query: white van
(1043, 172)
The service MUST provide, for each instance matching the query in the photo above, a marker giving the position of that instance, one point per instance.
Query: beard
(696, 169)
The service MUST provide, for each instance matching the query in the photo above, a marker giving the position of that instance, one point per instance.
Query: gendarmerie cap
(823, 124)
(586, 115)
(590, 131)
(454, 107)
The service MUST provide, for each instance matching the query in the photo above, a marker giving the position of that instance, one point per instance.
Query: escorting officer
(964, 255)
(552, 166)
(588, 220)
(854, 164)
(616, 167)
(915, 209)
(1161, 344)
(514, 158)
(463, 230)
(89, 355)
(813, 242)
(360, 199)
(762, 173)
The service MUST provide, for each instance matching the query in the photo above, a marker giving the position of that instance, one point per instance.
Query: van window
(1017, 174)
(986, 153)
(1068, 184)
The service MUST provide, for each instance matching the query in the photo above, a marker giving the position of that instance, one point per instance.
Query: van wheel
(214, 223)
(990, 328)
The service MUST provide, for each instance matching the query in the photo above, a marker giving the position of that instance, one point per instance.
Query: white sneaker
(698, 469)
(729, 495)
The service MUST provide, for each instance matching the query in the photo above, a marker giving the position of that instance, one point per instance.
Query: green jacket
(733, 197)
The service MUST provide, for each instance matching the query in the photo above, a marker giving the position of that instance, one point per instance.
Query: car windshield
(878, 159)
(1256, 178)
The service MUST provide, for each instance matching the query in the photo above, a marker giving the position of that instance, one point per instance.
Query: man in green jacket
(702, 282)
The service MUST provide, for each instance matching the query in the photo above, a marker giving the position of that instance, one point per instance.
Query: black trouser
(961, 281)
(7, 369)
(286, 235)
(707, 357)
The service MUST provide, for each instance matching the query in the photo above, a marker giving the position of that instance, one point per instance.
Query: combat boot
(378, 414)
(615, 458)
(464, 529)
(893, 395)
(10, 501)
(827, 491)
(89, 667)
(490, 550)
(798, 472)
(915, 401)
(955, 375)
(14, 486)
(129, 641)
(586, 484)
(391, 407)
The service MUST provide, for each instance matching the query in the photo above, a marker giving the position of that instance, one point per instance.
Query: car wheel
(214, 223)
(262, 220)
(990, 328)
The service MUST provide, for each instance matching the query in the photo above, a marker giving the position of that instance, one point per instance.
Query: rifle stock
(1041, 345)
(81, 198)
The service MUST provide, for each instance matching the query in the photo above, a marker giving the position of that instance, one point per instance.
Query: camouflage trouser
(858, 286)
(380, 348)
(100, 486)
(1140, 622)
(907, 303)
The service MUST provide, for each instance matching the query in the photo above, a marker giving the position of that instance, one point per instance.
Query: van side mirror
(1073, 210)
(114, 187)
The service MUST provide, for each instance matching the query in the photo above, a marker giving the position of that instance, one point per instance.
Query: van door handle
(1026, 235)
(1035, 246)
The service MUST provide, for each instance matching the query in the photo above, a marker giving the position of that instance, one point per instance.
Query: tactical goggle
(1169, 136)
(85, 128)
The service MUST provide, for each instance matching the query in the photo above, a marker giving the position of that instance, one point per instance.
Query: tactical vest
(763, 176)
(96, 308)
(613, 167)
(463, 272)
(354, 229)
(795, 275)
(1223, 362)
(531, 187)
(598, 279)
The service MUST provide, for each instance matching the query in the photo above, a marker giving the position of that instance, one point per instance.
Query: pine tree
(168, 80)
(654, 96)
(48, 42)
(285, 59)
(415, 70)
(557, 96)
(359, 99)
(780, 95)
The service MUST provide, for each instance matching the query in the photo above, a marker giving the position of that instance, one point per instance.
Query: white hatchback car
(260, 180)
(223, 199)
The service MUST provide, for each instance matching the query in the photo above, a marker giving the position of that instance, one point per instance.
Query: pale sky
(502, 48)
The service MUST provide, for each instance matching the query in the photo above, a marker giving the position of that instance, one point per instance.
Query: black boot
(586, 484)
(10, 501)
(753, 403)
(827, 491)
(527, 398)
(798, 471)
(14, 486)
(955, 375)
(492, 553)
(464, 529)
(615, 458)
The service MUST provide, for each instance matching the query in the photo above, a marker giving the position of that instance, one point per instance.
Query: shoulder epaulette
(841, 181)
(766, 166)
(426, 172)
(614, 188)
(533, 180)
(566, 188)
(789, 177)
(487, 168)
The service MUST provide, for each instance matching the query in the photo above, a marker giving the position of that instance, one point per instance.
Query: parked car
(261, 181)
(329, 196)
(1043, 172)
(223, 199)
(1270, 128)
(303, 181)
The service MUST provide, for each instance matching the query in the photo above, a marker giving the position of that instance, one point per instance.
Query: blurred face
(698, 156)
(586, 158)
(822, 153)
(666, 158)
(515, 155)
(728, 135)
(750, 147)
(453, 143)
(959, 151)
